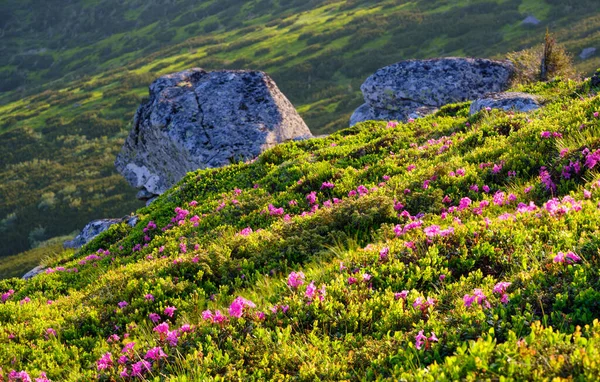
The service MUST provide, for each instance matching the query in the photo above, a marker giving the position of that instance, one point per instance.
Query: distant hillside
(72, 74)
(452, 247)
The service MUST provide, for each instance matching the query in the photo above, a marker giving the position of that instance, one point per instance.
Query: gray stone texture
(196, 119)
(415, 88)
(95, 228)
(506, 101)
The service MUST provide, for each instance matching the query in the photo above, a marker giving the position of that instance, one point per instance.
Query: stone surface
(196, 119)
(96, 227)
(530, 20)
(367, 113)
(34, 272)
(587, 53)
(506, 101)
(415, 88)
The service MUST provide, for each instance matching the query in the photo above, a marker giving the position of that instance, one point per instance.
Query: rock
(587, 53)
(507, 101)
(196, 119)
(95, 228)
(530, 20)
(367, 113)
(415, 88)
(34, 272)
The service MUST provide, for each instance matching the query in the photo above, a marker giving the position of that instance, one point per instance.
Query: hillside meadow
(71, 78)
(450, 247)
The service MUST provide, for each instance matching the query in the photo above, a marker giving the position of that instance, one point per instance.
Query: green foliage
(72, 75)
(403, 261)
(543, 63)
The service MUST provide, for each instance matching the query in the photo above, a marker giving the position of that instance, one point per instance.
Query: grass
(402, 225)
(323, 82)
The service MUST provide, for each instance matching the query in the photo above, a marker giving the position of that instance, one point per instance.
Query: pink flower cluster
(312, 292)
(423, 304)
(500, 288)
(478, 296)
(549, 134)
(7, 295)
(217, 317)
(566, 258)
(246, 231)
(435, 230)
(327, 186)
(421, 339)
(180, 215)
(236, 309)
(273, 211)
(295, 279)
(557, 208)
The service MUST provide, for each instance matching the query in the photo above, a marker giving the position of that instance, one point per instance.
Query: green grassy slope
(430, 250)
(72, 74)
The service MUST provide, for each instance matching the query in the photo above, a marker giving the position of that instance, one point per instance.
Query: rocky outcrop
(95, 228)
(34, 272)
(196, 119)
(506, 101)
(530, 20)
(415, 88)
(587, 53)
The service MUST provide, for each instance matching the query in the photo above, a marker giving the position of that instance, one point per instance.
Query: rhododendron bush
(444, 248)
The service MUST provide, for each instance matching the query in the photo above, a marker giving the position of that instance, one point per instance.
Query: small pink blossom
(295, 279)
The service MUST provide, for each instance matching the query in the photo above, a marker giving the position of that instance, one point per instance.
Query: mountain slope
(72, 77)
(445, 248)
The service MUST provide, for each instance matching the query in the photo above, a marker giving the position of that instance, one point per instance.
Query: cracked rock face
(95, 228)
(506, 101)
(196, 119)
(414, 88)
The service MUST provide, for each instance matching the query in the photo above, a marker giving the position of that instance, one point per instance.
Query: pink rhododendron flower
(421, 339)
(128, 347)
(587, 194)
(105, 362)
(383, 253)
(362, 190)
(311, 198)
(7, 295)
(295, 279)
(411, 167)
(155, 354)
(327, 185)
(401, 295)
(311, 289)
(246, 231)
(169, 310)
(352, 280)
(154, 317)
(138, 368)
(566, 258)
(161, 329)
(423, 304)
(236, 309)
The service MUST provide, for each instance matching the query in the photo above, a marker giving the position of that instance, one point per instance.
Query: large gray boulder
(506, 101)
(418, 87)
(95, 228)
(196, 119)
